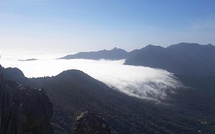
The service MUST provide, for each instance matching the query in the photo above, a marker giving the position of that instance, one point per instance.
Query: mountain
(183, 58)
(23, 110)
(31, 59)
(114, 54)
(14, 74)
(73, 92)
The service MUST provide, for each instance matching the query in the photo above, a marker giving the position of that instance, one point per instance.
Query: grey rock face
(90, 123)
(9, 108)
(23, 110)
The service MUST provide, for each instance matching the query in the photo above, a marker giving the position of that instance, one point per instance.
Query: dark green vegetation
(189, 111)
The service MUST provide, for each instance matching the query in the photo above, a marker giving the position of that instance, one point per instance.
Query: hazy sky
(83, 25)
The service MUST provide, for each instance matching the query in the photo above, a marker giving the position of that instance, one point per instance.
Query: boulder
(90, 123)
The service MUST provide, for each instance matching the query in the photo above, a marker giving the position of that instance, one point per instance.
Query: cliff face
(23, 110)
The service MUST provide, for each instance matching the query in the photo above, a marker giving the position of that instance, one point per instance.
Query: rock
(23, 110)
(10, 101)
(90, 123)
(37, 110)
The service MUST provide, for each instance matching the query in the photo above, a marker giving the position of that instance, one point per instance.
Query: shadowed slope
(72, 92)
(182, 58)
(23, 110)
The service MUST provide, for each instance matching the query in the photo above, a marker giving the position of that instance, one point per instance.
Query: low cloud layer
(141, 82)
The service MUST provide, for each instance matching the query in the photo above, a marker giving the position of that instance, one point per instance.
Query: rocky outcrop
(23, 110)
(90, 123)
(10, 101)
(37, 111)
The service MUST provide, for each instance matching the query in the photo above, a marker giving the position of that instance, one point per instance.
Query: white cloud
(141, 82)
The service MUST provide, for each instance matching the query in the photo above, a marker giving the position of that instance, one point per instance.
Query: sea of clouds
(141, 82)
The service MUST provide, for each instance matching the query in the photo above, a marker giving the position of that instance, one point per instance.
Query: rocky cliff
(23, 110)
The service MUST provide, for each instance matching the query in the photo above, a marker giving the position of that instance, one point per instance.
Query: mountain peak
(183, 58)
(153, 46)
(190, 46)
(184, 44)
(210, 45)
(115, 48)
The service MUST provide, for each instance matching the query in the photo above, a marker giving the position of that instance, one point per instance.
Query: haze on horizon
(85, 25)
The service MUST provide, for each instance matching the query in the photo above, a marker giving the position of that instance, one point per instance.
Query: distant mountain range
(188, 111)
(32, 59)
(114, 54)
(182, 58)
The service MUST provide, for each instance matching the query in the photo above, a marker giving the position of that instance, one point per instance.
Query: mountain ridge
(23, 110)
(72, 92)
(182, 58)
(113, 54)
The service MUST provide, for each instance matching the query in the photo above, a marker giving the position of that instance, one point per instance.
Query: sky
(87, 25)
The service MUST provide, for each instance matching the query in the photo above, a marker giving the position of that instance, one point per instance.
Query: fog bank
(141, 82)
